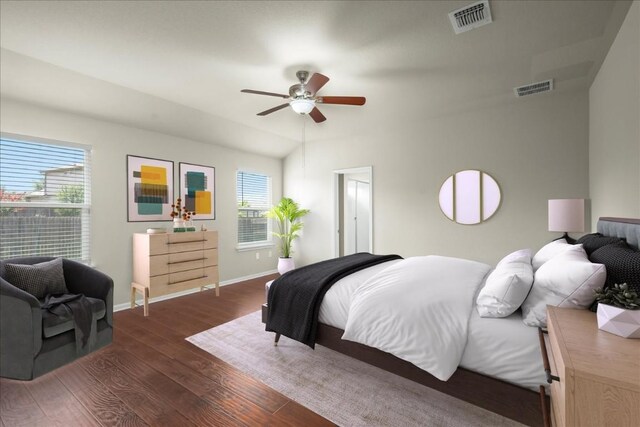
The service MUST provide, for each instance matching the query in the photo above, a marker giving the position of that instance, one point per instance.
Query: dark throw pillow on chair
(40, 279)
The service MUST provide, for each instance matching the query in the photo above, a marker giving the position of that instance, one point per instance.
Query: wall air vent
(532, 88)
(469, 17)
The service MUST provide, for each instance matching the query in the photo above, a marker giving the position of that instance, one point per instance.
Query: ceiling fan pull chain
(304, 147)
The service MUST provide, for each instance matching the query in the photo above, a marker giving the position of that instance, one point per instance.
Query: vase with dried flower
(188, 222)
(181, 217)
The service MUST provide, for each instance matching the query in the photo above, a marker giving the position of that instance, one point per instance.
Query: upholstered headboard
(624, 228)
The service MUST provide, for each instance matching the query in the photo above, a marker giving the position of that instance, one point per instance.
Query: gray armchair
(34, 342)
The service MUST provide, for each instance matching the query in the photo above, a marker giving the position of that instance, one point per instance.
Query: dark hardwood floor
(150, 375)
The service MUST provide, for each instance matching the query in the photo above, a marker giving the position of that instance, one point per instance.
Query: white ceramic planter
(619, 321)
(285, 264)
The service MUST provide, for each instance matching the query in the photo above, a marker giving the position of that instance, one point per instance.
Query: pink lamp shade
(566, 215)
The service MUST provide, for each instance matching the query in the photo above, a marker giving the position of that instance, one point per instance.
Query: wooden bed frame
(511, 401)
(519, 404)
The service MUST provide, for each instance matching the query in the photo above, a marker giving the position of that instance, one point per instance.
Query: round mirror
(469, 197)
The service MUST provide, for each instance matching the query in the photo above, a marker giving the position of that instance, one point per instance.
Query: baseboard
(127, 305)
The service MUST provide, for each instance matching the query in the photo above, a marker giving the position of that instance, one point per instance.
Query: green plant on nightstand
(619, 310)
(619, 296)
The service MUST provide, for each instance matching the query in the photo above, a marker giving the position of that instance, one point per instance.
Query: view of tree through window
(254, 199)
(44, 200)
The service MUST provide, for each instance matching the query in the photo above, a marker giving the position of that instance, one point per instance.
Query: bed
(499, 369)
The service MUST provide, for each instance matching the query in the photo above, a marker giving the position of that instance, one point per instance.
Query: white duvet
(427, 323)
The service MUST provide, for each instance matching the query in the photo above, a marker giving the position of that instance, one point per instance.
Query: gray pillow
(39, 280)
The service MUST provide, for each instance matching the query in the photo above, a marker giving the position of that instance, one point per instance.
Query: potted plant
(619, 311)
(287, 214)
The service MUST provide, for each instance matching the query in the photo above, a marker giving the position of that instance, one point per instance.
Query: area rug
(343, 390)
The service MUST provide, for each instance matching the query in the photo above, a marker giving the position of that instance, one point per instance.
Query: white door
(362, 216)
(356, 217)
(353, 222)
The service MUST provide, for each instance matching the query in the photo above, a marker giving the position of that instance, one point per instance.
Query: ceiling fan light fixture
(303, 106)
(302, 97)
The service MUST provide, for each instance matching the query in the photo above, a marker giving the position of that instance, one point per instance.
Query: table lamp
(566, 215)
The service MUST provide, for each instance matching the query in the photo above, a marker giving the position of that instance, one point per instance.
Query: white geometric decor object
(619, 321)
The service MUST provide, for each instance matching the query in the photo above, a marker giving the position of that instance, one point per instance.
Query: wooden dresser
(595, 375)
(173, 262)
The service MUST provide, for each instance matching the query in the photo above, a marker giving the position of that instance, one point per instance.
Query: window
(254, 200)
(45, 196)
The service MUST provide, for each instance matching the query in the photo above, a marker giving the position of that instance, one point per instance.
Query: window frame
(248, 246)
(85, 207)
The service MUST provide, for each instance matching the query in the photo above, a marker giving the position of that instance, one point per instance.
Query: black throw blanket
(294, 298)
(78, 308)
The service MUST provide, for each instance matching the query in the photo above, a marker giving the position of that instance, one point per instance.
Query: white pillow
(548, 251)
(507, 286)
(567, 280)
(514, 255)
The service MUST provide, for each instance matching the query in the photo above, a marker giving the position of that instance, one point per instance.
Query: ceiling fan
(302, 97)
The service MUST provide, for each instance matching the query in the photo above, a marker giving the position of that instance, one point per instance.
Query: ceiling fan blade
(315, 83)
(273, 110)
(317, 116)
(343, 100)
(258, 92)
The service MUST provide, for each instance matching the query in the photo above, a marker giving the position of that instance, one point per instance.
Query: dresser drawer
(170, 283)
(160, 244)
(176, 267)
(183, 276)
(182, 261)
(198, 273)
(209, 238)
(187, 246)
(157, 244)
(158, 265)
(188, 236)
(558, 388)
(557, 405)
(211, 256)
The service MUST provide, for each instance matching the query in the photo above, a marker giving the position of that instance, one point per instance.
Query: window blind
(45, 199)
(254, 200)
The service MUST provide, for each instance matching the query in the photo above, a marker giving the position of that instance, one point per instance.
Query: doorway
(353, 211)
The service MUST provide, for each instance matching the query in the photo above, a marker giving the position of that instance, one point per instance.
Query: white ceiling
(178, 67)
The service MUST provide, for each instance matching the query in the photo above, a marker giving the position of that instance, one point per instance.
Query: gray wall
(536, 149)
(614, 126)
(111, 233)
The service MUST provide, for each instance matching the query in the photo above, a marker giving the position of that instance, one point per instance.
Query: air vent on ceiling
(532, 88)
(469, 17)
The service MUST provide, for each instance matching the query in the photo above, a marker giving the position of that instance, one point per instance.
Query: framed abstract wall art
(149, 189)
(197, 190)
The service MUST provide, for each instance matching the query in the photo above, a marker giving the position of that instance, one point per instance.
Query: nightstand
(594, 375)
